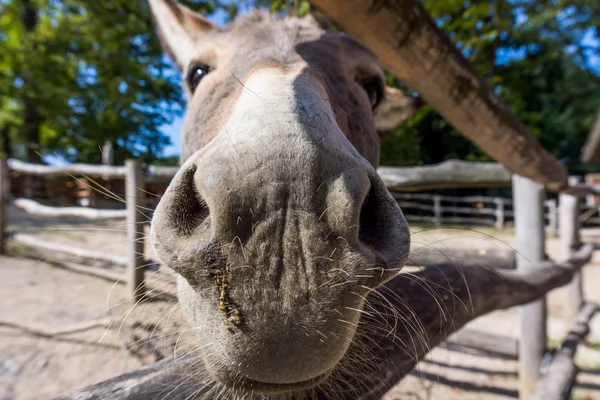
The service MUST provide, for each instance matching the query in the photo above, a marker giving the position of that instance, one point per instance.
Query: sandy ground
(40, 291)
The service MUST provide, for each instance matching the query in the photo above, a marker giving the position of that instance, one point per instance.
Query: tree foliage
(537, 55)
(77, 73)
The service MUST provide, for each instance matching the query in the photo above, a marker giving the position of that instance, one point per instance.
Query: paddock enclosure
(527, 249)
(541, 239)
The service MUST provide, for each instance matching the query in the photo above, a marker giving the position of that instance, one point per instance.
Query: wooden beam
(558, 380)
(162, 172)
(134, 196)
(35, 208)
(426, 256)
(528, 203)
(485, 341)
(434, 303)
(32, 241)
(448, 174)
(570, 242)
(71, 169)
(445, 175)
(415, 50)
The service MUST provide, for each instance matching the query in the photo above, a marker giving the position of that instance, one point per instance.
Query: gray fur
(277, 222)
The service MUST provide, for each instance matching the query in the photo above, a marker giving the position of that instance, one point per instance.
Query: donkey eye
(374, 90)
(195, 74)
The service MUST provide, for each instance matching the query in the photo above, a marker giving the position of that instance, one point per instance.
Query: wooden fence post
(569, 238)
(4, 196)
(134, 194)
(437, 209)
(528, 206)
(108, 158)
(499, 212)
(552, 218)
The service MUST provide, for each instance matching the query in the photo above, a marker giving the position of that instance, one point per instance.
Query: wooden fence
(452, 173)
(136, 212)
(480, 210)
(530, 211)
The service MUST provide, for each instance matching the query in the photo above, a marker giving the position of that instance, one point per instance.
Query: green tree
(534, 55)
(77, 73)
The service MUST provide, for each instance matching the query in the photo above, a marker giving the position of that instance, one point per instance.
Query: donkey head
(277, 224)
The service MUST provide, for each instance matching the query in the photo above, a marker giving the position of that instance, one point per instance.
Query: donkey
(277, 224)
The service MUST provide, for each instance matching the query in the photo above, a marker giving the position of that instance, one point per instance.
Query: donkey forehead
(260, 38)
(295, 46)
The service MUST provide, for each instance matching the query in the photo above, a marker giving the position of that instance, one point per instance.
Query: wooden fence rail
(484, 210)
(172, 375)
(35, 208)
(558, 380)
(528, 198)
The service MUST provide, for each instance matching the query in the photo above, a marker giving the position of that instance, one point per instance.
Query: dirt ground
(43, 293)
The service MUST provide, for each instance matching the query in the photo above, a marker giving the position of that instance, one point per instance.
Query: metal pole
(134, 193)
(528, 205)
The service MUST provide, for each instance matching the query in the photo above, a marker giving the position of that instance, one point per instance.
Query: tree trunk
(31, 131)
(6, 142)
(413, 48)
(31, 115)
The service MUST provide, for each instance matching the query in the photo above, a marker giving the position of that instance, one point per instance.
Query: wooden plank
(469, 210)
(570, 242)
(71, 169)
(452, 220)
(448, 174)
(500, 213)
(4, 198)
(416, 206)
(583, 218)
(558, 380)
(29, 240)
(468, 220)
(483, 290)
(401, 196)
(418, 218)
(134, 194)
(476, 199)
(416, 51)
(528, 201)
(552, 217)
(437, 210)
(162, 172)
(591, 149)
(35, 208)
(486, 341)
(426, 256)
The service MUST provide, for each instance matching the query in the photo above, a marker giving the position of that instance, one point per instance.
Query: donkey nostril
(370, 214)
(186, 210)
(383, 231)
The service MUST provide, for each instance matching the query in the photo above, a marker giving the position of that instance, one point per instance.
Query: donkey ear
(397, 108)
(178, 28)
